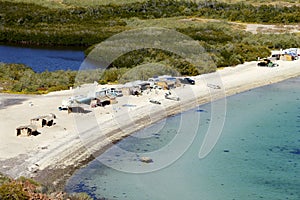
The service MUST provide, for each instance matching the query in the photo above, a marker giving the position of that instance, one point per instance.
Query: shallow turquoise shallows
(256, 157)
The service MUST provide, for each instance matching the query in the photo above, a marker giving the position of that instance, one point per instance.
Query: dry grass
(184, 23)
(272, 29)
(175, 22)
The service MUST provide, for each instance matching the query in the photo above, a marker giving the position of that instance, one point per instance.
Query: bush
(12, 191)
(22, 79)
(4, 179)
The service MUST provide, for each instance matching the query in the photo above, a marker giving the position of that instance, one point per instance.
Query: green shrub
(4, 179)
(22, 79)
(12, 191)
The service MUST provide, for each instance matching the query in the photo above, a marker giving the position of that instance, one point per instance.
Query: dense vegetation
(83, 26)
(87, 3)
(70, 23)
(20, 78)
(24, 189)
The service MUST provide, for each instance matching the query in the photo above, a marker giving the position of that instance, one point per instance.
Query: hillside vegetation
(19, 78)
(24, 189)
(86, 23)
(88, 3)
(29, 23)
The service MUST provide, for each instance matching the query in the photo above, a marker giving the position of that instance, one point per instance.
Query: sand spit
(52, 156)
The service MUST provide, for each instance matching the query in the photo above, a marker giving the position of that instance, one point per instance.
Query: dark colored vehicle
(267, 63)
(263, 63)
(187, 81)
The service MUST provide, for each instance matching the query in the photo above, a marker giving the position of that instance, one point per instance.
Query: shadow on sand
(6, 102)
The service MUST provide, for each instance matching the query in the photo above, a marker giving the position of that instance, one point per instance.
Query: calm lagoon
(42, 59)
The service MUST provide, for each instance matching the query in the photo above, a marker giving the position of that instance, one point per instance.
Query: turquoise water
(256, 157)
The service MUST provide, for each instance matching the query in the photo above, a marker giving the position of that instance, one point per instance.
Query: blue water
(42, 59)
(257, 156)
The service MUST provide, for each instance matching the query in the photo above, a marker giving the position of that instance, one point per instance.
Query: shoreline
(54, 165)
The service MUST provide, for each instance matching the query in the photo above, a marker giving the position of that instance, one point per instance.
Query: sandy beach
(77, 138)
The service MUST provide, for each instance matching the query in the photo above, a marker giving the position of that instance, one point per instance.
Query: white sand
(62, 145)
